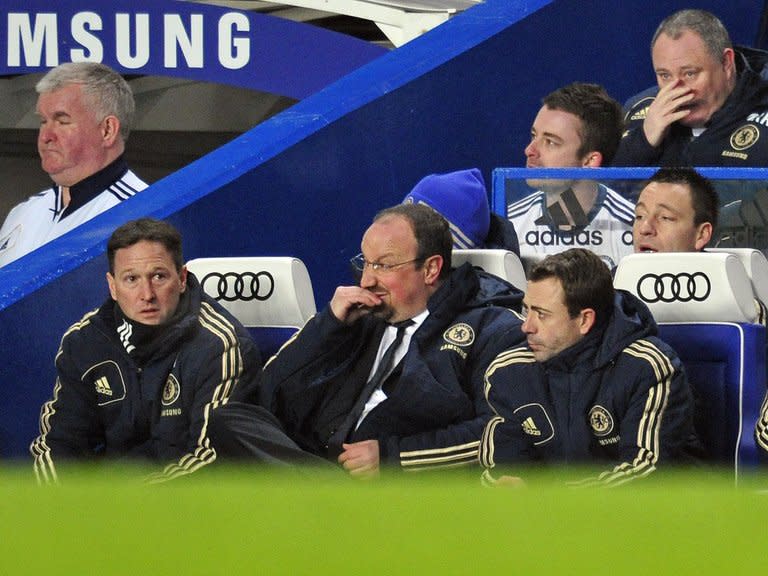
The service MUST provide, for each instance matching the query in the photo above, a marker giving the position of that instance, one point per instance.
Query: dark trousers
(246, 432)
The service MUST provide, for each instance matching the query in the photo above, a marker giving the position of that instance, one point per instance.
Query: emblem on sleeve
(640, 109)
(171, 391)
(107, 381)
(460, 334)
(744, 137)
(601, 421)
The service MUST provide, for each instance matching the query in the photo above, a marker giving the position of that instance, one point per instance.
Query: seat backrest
(501, 263)
(756, 265)
(689, 286)
(270, 295)
(725, 365)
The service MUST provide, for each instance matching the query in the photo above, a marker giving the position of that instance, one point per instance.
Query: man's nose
(645, 227)
(146, 291)
(367, 277)
(45, 133)
(528, 325)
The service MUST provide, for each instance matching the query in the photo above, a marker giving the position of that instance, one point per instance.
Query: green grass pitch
(248, 521)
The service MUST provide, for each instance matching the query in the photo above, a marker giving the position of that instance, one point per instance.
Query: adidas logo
(529, 427)
(102, 387)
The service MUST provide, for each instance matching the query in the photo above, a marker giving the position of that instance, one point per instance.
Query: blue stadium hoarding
(185, 39)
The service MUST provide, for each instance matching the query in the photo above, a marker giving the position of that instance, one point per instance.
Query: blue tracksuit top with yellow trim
(437, 412)
(105, 405)
(619, 396)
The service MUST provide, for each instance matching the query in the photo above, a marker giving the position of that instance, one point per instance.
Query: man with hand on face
(593, 384)
(139, 377)
(86, 110)
(578, 126)
(711, 104)
(391, 371)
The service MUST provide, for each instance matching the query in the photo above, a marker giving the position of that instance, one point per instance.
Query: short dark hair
(704, 197)
(602, 118)
(586, 281)
(705, 24)
(431, 230)
(147, 229)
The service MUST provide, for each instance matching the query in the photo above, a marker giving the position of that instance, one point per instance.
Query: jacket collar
(90, 187)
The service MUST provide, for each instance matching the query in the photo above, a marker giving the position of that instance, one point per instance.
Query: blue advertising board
(185, 39)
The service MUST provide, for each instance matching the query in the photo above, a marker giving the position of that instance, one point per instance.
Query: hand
(350, 303)
(361, 458)
(668, 107)
(510, 481)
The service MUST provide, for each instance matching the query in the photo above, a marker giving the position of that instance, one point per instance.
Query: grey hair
(705, 24)
(107, 91)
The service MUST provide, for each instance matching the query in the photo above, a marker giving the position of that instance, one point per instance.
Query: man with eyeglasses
(342, 390)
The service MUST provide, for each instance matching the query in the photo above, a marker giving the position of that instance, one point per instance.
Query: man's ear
(432, 267)
(729, 62)
(183, 277)
(587, 321)
(593, 159)
(111, 284)
(110, 130)
(703, 235)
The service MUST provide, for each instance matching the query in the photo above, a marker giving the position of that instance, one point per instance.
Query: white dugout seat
(690, 286)
(501, 263)
(706, 308)
(756, 265)
(271, 295)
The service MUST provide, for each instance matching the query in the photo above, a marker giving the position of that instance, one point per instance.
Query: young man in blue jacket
(335, 389)
(138, 378)
(592, 385)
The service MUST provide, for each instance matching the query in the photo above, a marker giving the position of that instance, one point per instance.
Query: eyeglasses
(359, 263)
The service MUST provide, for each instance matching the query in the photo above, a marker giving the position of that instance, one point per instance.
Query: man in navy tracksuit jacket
(594, 384)
(430, 410)
(139, 377)
(711, 105)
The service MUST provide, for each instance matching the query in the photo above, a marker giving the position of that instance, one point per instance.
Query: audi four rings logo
(232, 286)
(668, 287)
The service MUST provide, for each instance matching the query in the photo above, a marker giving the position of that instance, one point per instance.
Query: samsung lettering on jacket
(178, 39)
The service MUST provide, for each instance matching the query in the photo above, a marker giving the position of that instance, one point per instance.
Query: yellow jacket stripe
(231, 368)
(761, 428)
(520, 355)
(649, 428)
(45, 470)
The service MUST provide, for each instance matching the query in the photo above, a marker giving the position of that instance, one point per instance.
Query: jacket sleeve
(215, 369)
(761, 431)
(68, 429)
(459, 443)
(311, 346)
(658, 421)
(634, 149)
